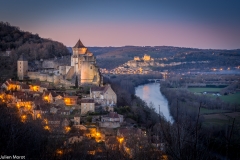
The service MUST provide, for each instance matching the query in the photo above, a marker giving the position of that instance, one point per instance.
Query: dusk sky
(206, 24)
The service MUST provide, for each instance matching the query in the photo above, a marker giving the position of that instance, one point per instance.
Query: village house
(44, 109)
(38, 87)
(25, 100)
(25, 88)
(87, 105)
(70, 100)
(104, 95)
(53, 110)
(76, 120)
(111, 120)
(52, 123)
(63, 111)
(35, 86)
(11, 85)
(36, 112)
(47, 96)
(56, 96)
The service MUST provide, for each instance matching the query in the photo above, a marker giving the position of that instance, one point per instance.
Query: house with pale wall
(111, 120)
(104, 95)
(87, 105)
(47, 96)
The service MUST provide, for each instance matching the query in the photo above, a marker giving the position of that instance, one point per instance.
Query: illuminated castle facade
(83, 68)
(84, 64)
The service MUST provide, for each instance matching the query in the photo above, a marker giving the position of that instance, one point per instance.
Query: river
(151, 93)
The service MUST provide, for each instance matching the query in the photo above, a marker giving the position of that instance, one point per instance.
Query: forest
(30, 45)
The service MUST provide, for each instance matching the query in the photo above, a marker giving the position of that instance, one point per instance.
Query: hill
(111, 57)
(31, 45)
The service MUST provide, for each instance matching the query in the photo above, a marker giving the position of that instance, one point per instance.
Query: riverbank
(150, 93)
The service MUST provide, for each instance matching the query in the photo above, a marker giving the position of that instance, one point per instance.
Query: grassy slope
(231, 98)
(204, 89)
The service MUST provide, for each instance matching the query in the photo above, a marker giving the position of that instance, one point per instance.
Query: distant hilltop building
(145, 58)
(145, 61)
(83, 69)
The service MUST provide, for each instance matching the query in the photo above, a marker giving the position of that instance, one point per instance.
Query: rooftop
(79, 44)
(22, 58)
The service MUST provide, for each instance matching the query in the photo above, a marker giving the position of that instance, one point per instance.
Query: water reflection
(145, 93)
(151, 93)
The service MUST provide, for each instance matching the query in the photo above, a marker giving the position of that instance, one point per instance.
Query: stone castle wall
(56, 79)
(55, 63)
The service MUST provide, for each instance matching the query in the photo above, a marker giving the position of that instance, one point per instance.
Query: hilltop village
(73, 101)
(146, 64)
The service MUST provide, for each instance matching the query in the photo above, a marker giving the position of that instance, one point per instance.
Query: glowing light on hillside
(23, 118)
(38, 115)
(121, 139)
(67, 129)
(59, 152)
(47, 128)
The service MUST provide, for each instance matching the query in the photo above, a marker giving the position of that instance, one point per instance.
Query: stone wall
(109, 124)
(56, 79)
(55, 63)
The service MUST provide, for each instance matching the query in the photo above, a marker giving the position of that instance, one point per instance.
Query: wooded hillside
(20, 42)
(33, 46)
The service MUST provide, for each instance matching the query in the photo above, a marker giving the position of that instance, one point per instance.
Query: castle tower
(87, 72)
(78, 50)
(146, 57)
(22, 67)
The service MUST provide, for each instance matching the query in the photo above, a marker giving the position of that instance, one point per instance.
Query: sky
(205, 24)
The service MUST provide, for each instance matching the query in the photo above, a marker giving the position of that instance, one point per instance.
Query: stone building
(22, 67)
(104, 95)
(83, 68)
(84, 63)
(87, 105)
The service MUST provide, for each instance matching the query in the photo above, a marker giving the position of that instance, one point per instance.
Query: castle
(83, 69)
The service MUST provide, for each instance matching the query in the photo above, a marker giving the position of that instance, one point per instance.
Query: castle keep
(83, 68)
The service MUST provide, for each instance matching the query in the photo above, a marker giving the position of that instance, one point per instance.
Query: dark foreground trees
(18, 138)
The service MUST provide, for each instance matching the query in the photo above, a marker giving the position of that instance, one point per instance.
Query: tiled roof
(113, 115)
(54, 94)
(79, 44)
(37, 83)
(87, 101)
(76, 97)
(25, 86)
(103, 89)
(97, 89)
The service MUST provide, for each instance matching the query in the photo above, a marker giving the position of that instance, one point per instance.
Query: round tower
(22, 67)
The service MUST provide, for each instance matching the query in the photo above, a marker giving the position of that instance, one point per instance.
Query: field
(221, 119)
(231, 98)
(218, 117)
(204, 89)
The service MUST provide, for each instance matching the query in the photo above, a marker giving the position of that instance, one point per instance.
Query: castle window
(91, 67)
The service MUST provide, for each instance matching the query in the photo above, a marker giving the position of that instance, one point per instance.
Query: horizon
(185, 24)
